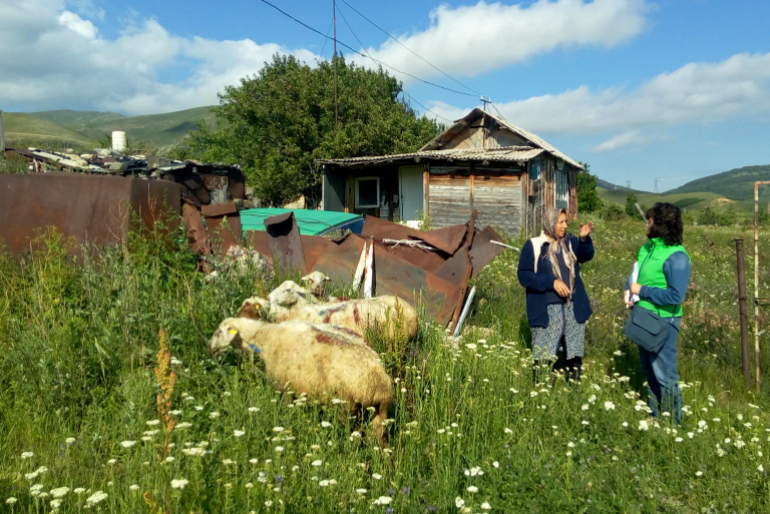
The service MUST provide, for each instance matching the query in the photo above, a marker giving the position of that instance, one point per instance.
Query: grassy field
(160, 130)
(471, 430)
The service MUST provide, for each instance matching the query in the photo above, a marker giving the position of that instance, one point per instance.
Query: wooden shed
(482, 162)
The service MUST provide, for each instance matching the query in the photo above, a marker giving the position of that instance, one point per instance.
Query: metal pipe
(743, 311)
(498, 243)
(465, 312)
(756, 278)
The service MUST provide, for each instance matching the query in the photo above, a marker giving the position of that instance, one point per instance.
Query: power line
(412, 99)
(412, 51)
(362, 55)
(327, 39)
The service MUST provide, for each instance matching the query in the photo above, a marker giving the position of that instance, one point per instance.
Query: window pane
(367, 192)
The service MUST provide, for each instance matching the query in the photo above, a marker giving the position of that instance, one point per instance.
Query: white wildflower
(127, 444)
(325, 424)
(486, 506)
(27, 455)
(60, 492)
(459, 502)
(179, 483)
(316, 463)
(151, 423)
(472, 489)
(238, 433)
(643, 425)
(609, 406)
(95, 498)
(213, 415)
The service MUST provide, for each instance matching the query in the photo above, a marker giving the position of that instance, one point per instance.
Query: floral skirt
(561, 323)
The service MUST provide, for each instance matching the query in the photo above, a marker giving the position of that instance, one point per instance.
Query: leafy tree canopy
(588, 197)
(277, 122)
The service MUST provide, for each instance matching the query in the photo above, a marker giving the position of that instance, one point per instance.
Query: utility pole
(334, 22)
(655, 188)
(628, 184)
(487, 101)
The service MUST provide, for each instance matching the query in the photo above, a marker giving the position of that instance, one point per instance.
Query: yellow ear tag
(233, 331)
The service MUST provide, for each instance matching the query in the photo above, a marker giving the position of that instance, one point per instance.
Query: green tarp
(310, 223)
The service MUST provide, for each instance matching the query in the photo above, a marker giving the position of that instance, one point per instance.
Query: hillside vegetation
(21, 127)
(694, 200)
(736, 184)
(472, 430)
(160, 130)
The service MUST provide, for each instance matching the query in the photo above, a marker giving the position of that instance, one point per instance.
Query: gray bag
(647, 329)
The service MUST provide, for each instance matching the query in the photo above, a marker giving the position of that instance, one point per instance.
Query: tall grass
(470, 432)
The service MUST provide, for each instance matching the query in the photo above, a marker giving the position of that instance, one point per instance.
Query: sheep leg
(377, 421)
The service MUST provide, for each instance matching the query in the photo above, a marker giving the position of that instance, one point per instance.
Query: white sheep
(321, 361)
(289, 292)
(359, 315)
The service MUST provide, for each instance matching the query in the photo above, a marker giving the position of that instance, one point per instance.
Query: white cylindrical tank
(118, 140)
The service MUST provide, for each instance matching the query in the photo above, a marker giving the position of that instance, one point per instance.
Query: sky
(641, 90)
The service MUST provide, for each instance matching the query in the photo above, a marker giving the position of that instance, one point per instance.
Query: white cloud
(468, 40)
(632, 137)
(53, 58)
(75, 23)
(698, 93)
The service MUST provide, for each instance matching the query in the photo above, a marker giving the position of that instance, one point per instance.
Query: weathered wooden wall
(449, 196)
(496, 194)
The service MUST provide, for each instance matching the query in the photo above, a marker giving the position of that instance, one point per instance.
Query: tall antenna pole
(334, 22)
(655, 189)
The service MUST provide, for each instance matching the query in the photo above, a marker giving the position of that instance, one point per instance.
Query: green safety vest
(651, 258)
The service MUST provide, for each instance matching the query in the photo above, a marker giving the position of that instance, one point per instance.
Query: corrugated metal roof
(519, 154)
(460, 124)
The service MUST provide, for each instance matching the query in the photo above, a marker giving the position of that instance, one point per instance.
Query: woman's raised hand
(560, 288)
(585, 230)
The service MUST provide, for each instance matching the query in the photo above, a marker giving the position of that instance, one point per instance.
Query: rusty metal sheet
(453, 269)
(196, 231)
(448, 239)
(93, 208)
(219, 209)
(224, 233)
(190, 180)
(312, 246)
(394, 276)
(285, 243)
(445, 239)
(236, 184)
(483, 251)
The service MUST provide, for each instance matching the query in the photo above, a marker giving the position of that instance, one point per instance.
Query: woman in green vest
(664, 274)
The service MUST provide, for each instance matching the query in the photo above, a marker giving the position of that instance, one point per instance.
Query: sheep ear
(327, 279)
(305, 278)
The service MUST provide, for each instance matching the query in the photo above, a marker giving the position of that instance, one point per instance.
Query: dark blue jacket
(538, 283)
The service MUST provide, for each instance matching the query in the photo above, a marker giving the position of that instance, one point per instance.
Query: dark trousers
(571, 368)
(662, 376)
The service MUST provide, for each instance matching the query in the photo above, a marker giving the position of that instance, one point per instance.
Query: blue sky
(639, 89)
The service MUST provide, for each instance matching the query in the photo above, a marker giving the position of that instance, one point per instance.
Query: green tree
(277, 122)
(631, 205)
(588, 197)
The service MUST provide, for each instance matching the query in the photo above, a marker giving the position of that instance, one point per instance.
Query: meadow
(471, 430)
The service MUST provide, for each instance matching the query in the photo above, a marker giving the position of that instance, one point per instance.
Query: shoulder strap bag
(647, 329)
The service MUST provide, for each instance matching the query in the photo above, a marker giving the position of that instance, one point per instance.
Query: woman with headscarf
(557, 303)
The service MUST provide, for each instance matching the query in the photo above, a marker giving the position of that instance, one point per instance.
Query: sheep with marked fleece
(289, 292)
(319, 360)
(388, 312)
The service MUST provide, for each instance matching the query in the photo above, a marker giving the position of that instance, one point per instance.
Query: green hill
(28, 127)
(737, 184)
(686, 200)
(161, 130)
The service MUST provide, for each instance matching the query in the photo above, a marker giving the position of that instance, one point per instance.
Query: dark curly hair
(666, 223)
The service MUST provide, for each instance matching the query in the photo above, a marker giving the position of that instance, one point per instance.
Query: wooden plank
(425, 191)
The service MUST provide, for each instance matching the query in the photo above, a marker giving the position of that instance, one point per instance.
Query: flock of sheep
(317, 346)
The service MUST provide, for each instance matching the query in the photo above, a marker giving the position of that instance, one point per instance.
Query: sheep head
(287, 294)
(316, 283)
(255, 308)
(226, 336)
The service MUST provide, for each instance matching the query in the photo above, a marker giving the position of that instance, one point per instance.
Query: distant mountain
(737, 184)
(28, 127)
(161, 130)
